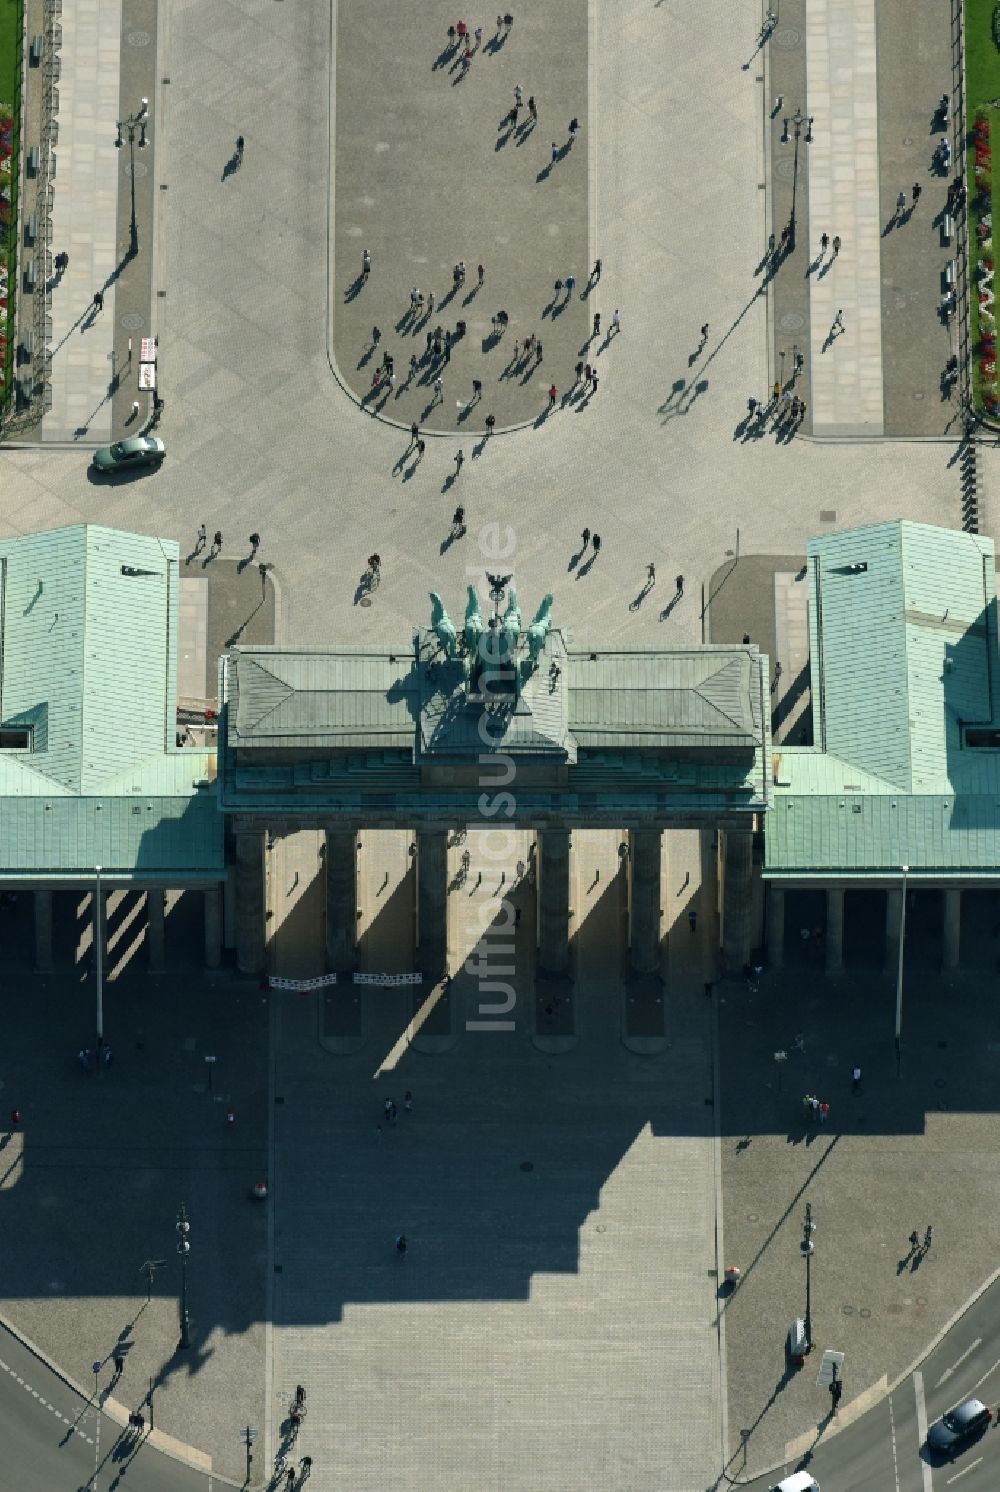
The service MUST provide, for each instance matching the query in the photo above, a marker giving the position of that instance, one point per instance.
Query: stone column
(834, 929)
(341, 898)
(43, 931)
(553, 901)
(775, 926)
(736, 907)
(251, 934)
(213, 926)
(893, 927)
(155, 929)
(432, 901)
(644, 918)
(952, 927)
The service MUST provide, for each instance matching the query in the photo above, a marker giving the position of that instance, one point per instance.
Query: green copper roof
(88, 665)
(904, 662)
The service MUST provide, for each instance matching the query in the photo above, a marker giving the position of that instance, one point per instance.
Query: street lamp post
(798, 119)
(807, 1246)
(99, 954)
(184, 1249)
(133, 122)
(899, 967)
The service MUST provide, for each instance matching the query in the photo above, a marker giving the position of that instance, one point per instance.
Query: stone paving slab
(84, 208)
(842, 93)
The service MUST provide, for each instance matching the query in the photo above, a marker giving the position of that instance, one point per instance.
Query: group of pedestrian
(916, 1247)
(956, 194)
(587, 376)
(105, 1057)
(217, 541)
(589, 540)
(389, 1111)
(816, 1111)
(825, 243)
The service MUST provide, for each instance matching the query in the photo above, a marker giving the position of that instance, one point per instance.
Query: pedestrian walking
(593, 382)
(578, 372)
(802, 411)
(596, 541)
(553, 395)
(217, 541)
(901, 204)
(421, 448)
(119, 1363)
(463, 30)
(824, 1112)
(202, 538)
(508, 20)
(459, 459)
(914, 1241)
(480, 274)
(477, 390)
(376, 336)
(366, 264)
(83, 1057)
(439, 387)
(693, 919)
(555, 152)
(915, 193)
(585, 536)
(704, 334)
(855, 1079)
(776, 391)
(401, 1245)
(570, 285)
(838, 321)
(491, 420)
(538, 351)
(597, 323)
(408, 1101)
(836, 245)
(414, 433)
(452, 36)
(135, 409)
(824, 243)
(679, 583)
(98, 300)
(574, 129)
(595, 273)
(533, 108)
(389, 1110)
(771, 242)
(751, 407)
(807, 1106)
(479, 37)
(651, 573)
(557, 288)
(254, 544)
(928, 1238)
(616, 322)
(518, 94)
(458, 520)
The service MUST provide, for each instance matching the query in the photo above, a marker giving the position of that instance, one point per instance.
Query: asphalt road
(56, 1441)
(884, 1450)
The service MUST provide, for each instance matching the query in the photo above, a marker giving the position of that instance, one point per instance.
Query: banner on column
(318, 983)
(383, 981)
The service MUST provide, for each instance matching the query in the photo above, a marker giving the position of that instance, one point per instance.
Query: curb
(177, 1450)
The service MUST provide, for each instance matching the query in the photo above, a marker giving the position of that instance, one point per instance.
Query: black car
(958, 1426)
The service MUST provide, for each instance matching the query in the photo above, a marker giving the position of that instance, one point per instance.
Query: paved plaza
(555, 1325)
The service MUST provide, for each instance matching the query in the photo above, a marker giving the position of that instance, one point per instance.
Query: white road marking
(892, 1435)
(986, 1375)
(918, 1389)
(961, 1473)
(22, 1383)
(967, 1353)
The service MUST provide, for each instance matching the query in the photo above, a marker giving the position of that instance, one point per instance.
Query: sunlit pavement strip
(842, 93)
(6, 1368)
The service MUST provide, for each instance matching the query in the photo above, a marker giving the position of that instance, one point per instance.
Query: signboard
(147, 350)
(147, 376)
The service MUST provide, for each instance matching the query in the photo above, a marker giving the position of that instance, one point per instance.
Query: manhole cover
(791, 321)
(847, 1310)
(601, 1228)
(366, 600)
(139, 38)
(827, 515)
(864, 1313)
(920, 395)
(131, 321)
(136, 170)
(527, 1165)
(785, 168)
(786, 36)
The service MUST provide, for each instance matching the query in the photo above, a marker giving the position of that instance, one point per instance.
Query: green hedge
(11, 42)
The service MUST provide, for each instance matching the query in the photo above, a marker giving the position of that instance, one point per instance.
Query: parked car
(799, 1481)
(138, 450)
(958, 1426)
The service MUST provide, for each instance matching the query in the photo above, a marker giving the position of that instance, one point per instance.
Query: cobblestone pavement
(907, 1152)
